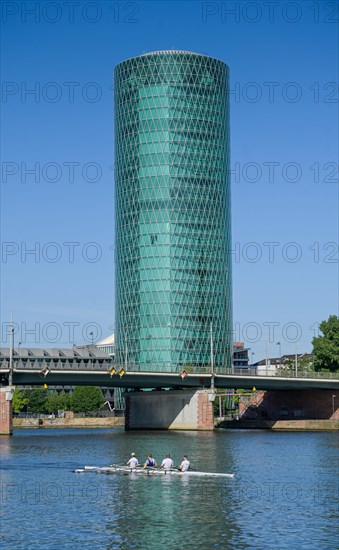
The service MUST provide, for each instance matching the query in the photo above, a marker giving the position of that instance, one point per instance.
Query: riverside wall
(70, 422)
(280, 425)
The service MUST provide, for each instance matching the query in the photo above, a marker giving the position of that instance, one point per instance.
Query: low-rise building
(271, 365)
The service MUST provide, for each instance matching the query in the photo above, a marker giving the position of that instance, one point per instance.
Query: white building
(107, 345)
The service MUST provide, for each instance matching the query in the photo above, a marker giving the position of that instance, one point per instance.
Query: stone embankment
(72, 422)
(280, 425)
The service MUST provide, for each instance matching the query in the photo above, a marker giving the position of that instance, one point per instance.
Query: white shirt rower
(167, 463)
(133, 461)
(184, 466)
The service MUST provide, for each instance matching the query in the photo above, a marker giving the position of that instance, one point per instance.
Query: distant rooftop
(109, 341)
(54, 353)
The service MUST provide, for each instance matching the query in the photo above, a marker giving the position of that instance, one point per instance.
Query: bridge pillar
(187, 409)
(6, 414)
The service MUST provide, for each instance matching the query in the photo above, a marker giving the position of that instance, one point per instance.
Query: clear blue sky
(284, 128)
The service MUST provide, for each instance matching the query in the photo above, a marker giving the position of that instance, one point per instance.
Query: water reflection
(284, 494)
(159, 511)
(5, 446)
(173, 511)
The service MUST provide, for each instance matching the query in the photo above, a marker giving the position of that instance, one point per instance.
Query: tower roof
(171, 51)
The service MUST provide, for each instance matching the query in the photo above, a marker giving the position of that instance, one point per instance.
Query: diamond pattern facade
(173, 272)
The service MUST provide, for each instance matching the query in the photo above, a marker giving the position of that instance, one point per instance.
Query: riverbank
(280, 425)
(82, 422)
(119, 422)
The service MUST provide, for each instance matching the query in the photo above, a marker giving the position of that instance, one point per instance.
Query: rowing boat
(148, 471)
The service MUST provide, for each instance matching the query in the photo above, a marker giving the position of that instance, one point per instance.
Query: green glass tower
(172, 196)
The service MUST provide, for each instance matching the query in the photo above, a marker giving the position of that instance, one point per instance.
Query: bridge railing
(106, 366)
(307, 374)
(37, 364)
(281, 373)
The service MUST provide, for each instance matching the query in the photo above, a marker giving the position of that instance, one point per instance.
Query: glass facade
(173, 262)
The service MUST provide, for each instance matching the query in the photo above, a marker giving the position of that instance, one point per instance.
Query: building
(272, 365)
(83, 357)
(240, 356)
(240, 353)
(107, 345)
(172, 196)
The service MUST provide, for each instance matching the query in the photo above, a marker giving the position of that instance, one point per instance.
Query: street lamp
(296, 362)
(151, 342)
(126, 352)
(11, 346)
(212, 360)
(129, 336)
(19, 344)
(279, 344)
(253, 354)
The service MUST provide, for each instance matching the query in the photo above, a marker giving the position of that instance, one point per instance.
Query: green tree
(64, 401)
(86, 399)
(52, 402)
(326, 347)
(36, 400)
(305, 364)
(19, 401)
(58, 402)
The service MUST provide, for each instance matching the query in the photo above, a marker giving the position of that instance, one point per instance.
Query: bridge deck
(100, 377)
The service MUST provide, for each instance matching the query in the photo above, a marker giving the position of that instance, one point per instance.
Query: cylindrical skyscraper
(172, 196)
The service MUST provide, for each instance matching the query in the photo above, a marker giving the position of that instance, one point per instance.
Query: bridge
(187, 403)
(89, 366)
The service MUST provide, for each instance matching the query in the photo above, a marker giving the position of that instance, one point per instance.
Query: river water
(284, 494)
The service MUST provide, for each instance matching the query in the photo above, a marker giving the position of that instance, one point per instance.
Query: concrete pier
(6, 414)
(188, 409)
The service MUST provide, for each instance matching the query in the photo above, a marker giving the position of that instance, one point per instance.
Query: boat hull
(149, 472)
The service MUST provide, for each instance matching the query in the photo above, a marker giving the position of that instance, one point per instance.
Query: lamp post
(212, 360)
(126, 352)
(11, 346)
(296, 362)
(279, 344)
(266, 357)
(151, 342)
(130, 336)
(253, 354)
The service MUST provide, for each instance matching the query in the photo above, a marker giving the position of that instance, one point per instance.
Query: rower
(184, 466)
(150, 462)
(167, 463)
(133, 461)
